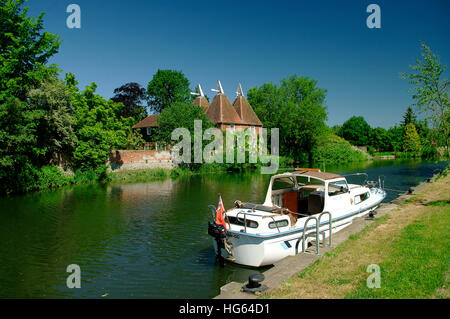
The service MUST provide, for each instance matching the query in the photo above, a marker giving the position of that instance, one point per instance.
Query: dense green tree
(337, 130)
(99, 127)
(55, 135)
(431, 91)
(134, 97)
(269, 104)
(356, 130)
(379, 139)
(167, 87)
(411, 140)
(183, 115)
(409, 117)
(180, 115)
(308, 115)
(18, 145)
(427, 139)
(297, 108)
(395, 139)
(24, 50)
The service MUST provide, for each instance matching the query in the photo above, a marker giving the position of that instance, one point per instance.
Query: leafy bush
(371, 150)
(91, 175)
(333, 149)
(135, 141)
(51, 177)
(31, 178)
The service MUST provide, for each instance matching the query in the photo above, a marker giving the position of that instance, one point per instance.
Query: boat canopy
(318, 175)
(315, 180)
(314, 174)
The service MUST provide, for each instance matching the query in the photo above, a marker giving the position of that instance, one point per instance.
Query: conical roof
(245, 111)
(221, 111)
(201, 101)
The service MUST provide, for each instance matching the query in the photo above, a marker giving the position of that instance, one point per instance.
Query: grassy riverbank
(148, 175)
(410, 244)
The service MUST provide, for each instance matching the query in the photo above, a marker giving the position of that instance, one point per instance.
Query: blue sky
(255, 42)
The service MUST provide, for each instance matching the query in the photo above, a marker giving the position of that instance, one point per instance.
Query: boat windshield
(338, 187)
(283, 183)
(306, 180)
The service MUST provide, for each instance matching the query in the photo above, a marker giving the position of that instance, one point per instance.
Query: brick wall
(140, 159)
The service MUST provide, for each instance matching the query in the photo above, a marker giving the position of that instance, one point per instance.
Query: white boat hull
(259, 250)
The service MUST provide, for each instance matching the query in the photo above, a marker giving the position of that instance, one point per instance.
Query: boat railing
(330, 228)
(370, 184)
(250, 214)
(316, 233)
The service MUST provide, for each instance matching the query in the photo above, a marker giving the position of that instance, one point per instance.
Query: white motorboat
(302, 207)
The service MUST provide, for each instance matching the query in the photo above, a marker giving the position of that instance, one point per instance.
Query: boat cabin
(295, 195)
(305, 192)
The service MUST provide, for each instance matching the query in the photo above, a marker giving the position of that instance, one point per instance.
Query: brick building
(226, 116)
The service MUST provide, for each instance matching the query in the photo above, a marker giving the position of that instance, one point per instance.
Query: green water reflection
(145, 240)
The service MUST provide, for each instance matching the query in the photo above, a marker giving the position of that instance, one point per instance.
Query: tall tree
(54, 125)
(297, 108)
(378, 139)
(395, 139)
(411, 140)
(180, 114)
(99, 127)
(409, 117)
(430, 91)
(24, 50)
(167, 87)
(356, 130)
(133, 96)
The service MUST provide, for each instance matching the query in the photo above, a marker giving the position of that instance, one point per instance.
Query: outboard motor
(219, 234)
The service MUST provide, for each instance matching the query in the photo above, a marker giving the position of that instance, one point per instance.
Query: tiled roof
(149, 121)
(245, 111)
(221, 111)
(202, 101)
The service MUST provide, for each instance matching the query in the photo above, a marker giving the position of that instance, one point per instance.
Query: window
(362, 197)
(305, 180)
(283, 183)
(232, 127)
(252, 128)
(149, 131)
(240, 221)
(337, 188)
(279, 223)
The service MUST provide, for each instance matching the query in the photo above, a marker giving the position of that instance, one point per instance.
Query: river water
(145, 240)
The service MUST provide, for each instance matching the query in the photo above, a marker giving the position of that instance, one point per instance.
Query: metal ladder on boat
(316, 233)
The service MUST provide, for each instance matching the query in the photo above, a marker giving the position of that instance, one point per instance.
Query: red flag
(219, 213)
